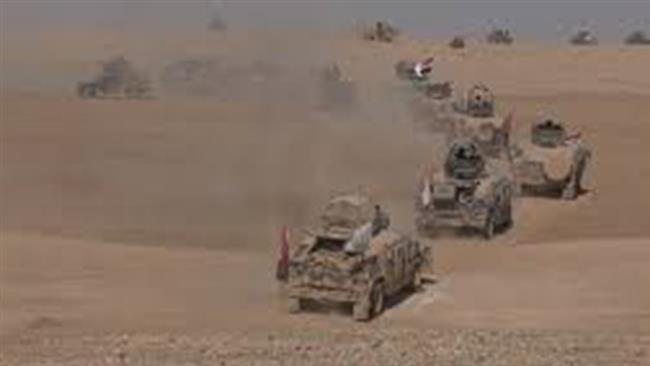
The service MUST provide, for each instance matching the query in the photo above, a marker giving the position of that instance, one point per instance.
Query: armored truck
(476, 119)
(117, 79)
(465, 193)
(353, 258)
(552, 162)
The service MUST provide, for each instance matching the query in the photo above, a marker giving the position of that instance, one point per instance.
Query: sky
(535, 19)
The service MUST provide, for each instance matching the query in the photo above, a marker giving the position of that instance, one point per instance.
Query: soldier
(380, 221)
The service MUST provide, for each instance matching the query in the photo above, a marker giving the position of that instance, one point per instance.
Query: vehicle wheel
(488, 229)
(294, 305)
(361, 310)
(582, 166)
(377, 299)
(416, 284)
(508, 215)
(570, 191)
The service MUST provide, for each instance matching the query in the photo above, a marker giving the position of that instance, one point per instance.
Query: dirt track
(159, 219)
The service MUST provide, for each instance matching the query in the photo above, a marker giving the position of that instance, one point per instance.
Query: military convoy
(405, 70)
(472, 116)
(552, 161)
(353, 257)
(468, 192)
(117, 79)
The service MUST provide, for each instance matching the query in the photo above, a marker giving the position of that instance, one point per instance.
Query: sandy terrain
(145, 231)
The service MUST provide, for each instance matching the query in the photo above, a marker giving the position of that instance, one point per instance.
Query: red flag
(282, 270)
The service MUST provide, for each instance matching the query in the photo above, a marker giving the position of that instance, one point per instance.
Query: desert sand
(146, 232)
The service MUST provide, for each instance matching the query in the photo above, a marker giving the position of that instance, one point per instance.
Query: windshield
(342, 214)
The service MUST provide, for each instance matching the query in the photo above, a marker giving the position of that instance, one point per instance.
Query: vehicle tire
(570, 191)
(488, 228)
(582, 166)
(416, 283)
(508, 221)
(361, 309)
(377, 295)
(294, 305)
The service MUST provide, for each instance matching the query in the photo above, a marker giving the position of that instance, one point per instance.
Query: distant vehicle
(583, 37)
(382, 31)
(467, 192)
(500, 36)
(457, 42)
(418, 73)
(353, 258)
(476, 119)
(405, 69)
(552, 161)
(637, 38)
(438, 91)
(118, 79)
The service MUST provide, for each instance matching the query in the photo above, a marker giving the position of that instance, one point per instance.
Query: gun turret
(464, 161)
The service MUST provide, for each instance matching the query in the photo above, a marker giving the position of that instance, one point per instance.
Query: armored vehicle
(467, 192)
(118, 79)
(353, 258)
(457, 42)
(500, 36)
(405, 69)
(382, 31)
(438, 91)
(552, 161)
(583, 37)
(637, 38)
(477, 120)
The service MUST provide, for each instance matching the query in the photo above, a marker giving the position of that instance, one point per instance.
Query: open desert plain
(146, 232)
